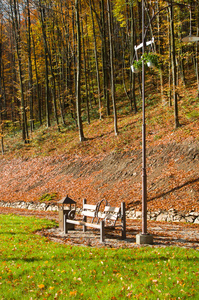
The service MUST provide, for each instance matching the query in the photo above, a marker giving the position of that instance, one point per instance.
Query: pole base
(144, 239)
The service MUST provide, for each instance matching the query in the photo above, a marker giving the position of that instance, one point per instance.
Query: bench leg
(84, 226)
(65, 225)
(123, 212)
(102, 232)
(85, 218)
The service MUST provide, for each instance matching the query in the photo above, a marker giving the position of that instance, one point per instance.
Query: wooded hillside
(71, 109)
(68, 62)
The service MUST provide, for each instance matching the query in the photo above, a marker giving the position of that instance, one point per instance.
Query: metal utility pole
(144, 237)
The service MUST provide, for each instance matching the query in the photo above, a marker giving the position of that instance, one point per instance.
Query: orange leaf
(73, 293)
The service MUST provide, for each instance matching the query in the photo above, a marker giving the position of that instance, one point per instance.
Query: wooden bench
(106, 219)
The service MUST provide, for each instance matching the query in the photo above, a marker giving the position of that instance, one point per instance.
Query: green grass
(34, 268)
(48, 197)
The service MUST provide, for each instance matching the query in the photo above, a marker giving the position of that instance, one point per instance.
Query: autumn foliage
(46, 48)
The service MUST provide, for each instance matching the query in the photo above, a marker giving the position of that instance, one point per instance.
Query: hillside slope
(173, 177)
(55, 163)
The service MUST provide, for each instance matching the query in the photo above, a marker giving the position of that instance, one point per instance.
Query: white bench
(107, 218)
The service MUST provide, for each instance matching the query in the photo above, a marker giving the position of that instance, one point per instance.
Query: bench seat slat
(83, 223)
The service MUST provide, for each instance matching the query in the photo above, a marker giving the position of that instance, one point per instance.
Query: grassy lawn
(34, 268)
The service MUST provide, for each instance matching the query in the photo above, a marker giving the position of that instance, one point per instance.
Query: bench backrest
(89, 210)
(110, 209)
(111, 213)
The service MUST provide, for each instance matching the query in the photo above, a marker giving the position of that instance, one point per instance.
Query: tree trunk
(78, 85)
(96, 62)
(47, 96)
(37, 85)
(30, 83)
(48, 57)
(112, 68)
(15, 18)
(160, 52)
(132, 51)
(197, 32)
(85, 75)
(174, 70)
(104, 60)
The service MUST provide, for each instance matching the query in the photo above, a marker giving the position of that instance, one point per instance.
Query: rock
(183, 220)
(43, 206)
(32, 206)
(23, 205)
(162, 217)
(154, 214)
(170, 218)
(196, 220)
(177, 218)
(138, 214)
(193, 213)
(190, 219)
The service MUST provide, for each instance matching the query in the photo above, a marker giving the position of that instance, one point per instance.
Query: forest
(72, 61)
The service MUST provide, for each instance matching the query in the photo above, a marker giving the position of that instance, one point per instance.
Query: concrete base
(144, 239)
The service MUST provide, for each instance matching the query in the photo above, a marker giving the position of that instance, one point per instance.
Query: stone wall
(170, 216)
(30, 205)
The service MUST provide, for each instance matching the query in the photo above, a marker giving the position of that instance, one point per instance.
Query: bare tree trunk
(160, 51)
(104, 60)
(112, 68)
(53, 80)
(132, 44)
(96, 62)
(85, 75)
(15, 19)
(30, 83)
(48, 57)
(47, 96)
(1, 131)
(78, 85)
(2, 81)
(197, 31)
(1, 104)
(174, 70)
(37, 85)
